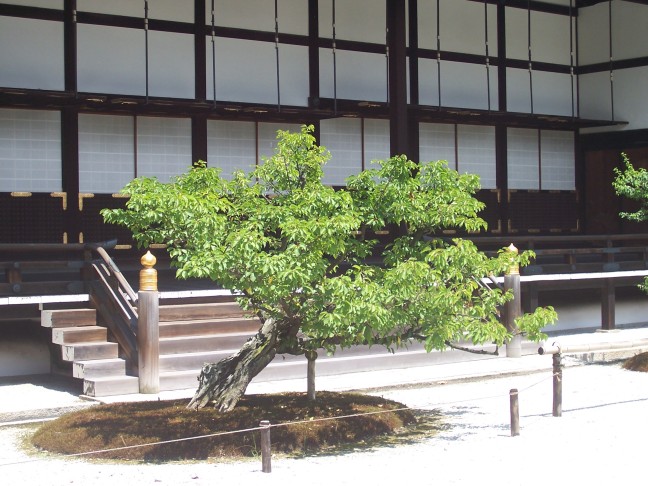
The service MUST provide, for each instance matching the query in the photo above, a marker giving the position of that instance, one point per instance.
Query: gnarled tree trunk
(225, 382)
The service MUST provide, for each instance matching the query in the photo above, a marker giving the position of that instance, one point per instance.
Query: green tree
(303, 259)
(633, 183)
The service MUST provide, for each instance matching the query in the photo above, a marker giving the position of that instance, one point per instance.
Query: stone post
(148, 332)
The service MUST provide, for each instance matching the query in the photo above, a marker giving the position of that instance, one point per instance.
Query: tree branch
(473, 351)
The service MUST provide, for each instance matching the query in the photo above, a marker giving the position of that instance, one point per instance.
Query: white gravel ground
(598, 441)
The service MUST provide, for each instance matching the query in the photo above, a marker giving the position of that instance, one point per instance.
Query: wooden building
(537, 97)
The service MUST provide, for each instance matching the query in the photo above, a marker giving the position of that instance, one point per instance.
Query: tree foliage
(632, 183)
(305, 257)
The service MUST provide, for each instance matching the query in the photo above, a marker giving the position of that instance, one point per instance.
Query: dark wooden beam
(615, 65)
(313, 54)
(396, 41)
(413, 52)
(70, 46)
(200, 51)
(617, 140)
(31, 12)
(70, 170)
(501, 56)
(589, 3)
(533, 5)
(198, 138)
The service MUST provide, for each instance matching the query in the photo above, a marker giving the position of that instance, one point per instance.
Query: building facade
(537, 97)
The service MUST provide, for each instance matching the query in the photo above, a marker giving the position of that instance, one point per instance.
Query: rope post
(557, 385)
(266, 454)
(311, 356)
(513, 308)
(148, 331)
(515, 412)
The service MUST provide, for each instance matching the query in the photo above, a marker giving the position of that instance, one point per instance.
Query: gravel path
(597, 441)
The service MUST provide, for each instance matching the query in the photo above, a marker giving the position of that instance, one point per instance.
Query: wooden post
(607, 305)
(311, 393)
(266, 453)
(513, 309)
(148, 331)
(515, 412)
(557, 385)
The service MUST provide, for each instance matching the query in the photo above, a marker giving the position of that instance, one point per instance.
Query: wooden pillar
(608, 305)
(200, 51)
(501, 56)
(148, 330)
(198, 138)
(313, 55)
(70, 45)
(266, 447)
(515, 411)
(512, 309)
(396, 42)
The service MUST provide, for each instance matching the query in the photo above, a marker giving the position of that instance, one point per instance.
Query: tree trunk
(311, 356)
(225, 382)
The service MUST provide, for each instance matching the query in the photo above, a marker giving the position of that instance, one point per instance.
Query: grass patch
(638, 362)
(127, 424)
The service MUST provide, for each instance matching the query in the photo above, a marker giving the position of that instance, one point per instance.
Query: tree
(633, 184)
(303, 258)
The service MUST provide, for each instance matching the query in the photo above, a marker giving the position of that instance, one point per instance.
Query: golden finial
(515, 268)
(148, 275)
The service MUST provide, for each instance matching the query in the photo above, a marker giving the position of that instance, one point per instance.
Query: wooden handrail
(115, 300)
(538, 240)
(55, 247)
(123, 283)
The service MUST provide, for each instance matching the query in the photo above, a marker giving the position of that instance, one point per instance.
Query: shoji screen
(163, 147)
(106, 153)
(558, 160)
(437, 142)
(30, 150)
(231, 146)
(343, 138)
(476, 153)
(523, 158)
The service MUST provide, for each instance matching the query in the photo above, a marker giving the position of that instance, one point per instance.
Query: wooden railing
(47, 268)
(575, 254)
(41, 269)
(116, 304)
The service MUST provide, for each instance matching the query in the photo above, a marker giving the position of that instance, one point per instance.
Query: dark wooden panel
(492, 212)
(92, 223)
(543, 211)
(34, 218)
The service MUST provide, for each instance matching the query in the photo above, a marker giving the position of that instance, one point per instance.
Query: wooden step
(97, 368)
(88, 351)
(179, 380)
(188, 312)
(191, 361)
(211, 326)
(110, 386)
(68, 317)
(191, 344)
(71, 335)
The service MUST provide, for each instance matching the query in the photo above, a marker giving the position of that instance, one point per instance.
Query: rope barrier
(514, 393)
(426, 407)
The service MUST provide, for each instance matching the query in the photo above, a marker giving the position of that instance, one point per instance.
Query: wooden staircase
(190, 336)
(197, 333)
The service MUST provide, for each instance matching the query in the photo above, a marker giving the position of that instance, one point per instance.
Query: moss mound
(127, 424)
(638, 362)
